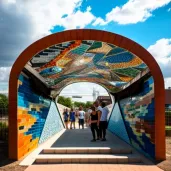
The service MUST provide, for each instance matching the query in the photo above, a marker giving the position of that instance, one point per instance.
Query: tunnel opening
(125, 71)
(83, 94)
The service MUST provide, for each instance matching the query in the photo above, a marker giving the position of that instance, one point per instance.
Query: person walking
(99, 113)
(103, 121)
(66, 115)
(93, 123)
(72, 118)
(81, 116)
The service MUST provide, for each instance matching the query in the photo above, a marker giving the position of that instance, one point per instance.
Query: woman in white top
(81, 117)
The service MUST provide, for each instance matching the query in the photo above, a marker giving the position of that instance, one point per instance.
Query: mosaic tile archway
(105, 58)
(87, 60)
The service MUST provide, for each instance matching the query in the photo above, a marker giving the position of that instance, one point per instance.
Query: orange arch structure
(88, 34)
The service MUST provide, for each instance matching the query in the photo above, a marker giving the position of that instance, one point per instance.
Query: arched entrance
(109, 39)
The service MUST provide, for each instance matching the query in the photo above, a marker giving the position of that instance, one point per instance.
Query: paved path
(81, 138)
(92, 167)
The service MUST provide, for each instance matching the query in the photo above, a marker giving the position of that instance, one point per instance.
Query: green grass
(168, 127)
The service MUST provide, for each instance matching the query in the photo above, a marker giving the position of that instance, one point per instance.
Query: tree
(65, 101)
(84, 105)
(69, 103)
(88, 104)
(3, 101)
(78, 104)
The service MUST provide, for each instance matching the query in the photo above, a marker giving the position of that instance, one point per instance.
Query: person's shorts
(72, 120)
(65, 120)
(81, 121)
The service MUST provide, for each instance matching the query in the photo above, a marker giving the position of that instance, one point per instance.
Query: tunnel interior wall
(137, 116)
(38, 117)
(116, 124)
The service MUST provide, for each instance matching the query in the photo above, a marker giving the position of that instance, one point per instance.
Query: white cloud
(167, 82)
(83, 89)
(11, 1)
(133, 11)
(83, 18)
(23, 22)
(161, 50)
(47, 15)
(169, 10)
(4, 78)
(99, 21)
(4, 73)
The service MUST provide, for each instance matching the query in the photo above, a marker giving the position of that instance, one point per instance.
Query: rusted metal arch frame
(88, 34)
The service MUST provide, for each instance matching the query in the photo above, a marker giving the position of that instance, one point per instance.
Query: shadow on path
(83, 137)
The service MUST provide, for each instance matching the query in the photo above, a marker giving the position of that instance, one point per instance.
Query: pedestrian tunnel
(129, 73)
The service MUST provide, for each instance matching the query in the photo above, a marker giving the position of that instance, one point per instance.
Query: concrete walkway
(81, 139)
(93, 167)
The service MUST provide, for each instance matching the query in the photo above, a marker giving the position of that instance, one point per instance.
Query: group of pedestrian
(98, 121)
(71, 117)
(95, 117)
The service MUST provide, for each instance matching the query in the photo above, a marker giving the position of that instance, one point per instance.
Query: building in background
(168, 111)
(106, 99)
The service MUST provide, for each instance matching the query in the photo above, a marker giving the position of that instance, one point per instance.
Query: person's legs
(71, 125)
(93, 132)
(97, 131)
(104, 127)
(79, 122)
(87, 123)
(66, 124)
(83, 124)
(100, 130)
(74, 124)
(104, 131)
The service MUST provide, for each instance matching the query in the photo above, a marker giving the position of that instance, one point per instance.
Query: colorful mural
(53, 123)
(116, 124)
(109, 66)
(138, 113)
(87, 60)
(32, 114)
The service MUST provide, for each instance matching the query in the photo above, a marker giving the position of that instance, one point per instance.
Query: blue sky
(145, 33)
(148, 22)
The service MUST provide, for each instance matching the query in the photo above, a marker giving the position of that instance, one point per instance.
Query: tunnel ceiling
(87, 60)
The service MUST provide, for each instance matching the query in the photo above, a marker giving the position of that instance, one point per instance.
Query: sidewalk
(92, 167)
(81, 138)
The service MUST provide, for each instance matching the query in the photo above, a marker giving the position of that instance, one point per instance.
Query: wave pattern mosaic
(85, 60)
(138, 112)
(32, 113)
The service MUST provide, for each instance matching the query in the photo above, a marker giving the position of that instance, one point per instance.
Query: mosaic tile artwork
(116, 124)
(53, 124)
(138, 113)
(32, 113)
(87, 60)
